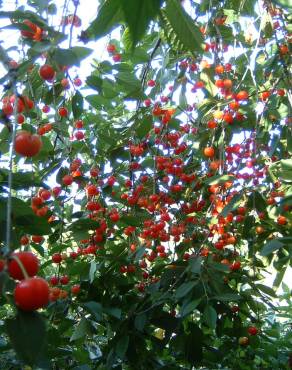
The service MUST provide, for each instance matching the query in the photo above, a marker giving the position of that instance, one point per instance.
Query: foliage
(172, 168)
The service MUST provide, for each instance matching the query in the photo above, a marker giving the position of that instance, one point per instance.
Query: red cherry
(151, 83)
(24, 240)
(67, 180)
(57, 258)
(252, 330)
(79, 135)
(46, 109)
(64, 280)
(37, 239)
(31, 294)
(117, 57)
(92, 190)
(79, 124)
(111, 48)
(29, 261)
(47, 72)
(114, 217)
(77, 82)
(2, 265)
(56, 191)
(45, 194)
(75, 289)
(63, 112)
(54, 280)
(26, 144)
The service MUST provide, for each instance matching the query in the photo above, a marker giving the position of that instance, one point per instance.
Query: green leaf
(27, 334)
(95, 309)
(20, 179)
(184, 289)
(84, 224)
(284, 3)
(195, 265)
(109, 16)
(210, 316)
(187, 31)
(271, 247)
(80, 330)
(218, 179)
(232, 205)
(189, 307)
(122, 346)
(226, 297)
(24, 218)
(70, 57)
(113, 311)
(92, 270)
(143, 126)
(257, 201)
(130, 84)
(138, 14)
(207, 78)
(94, 82)
(267, 290)
(77, 105)
(140, 321)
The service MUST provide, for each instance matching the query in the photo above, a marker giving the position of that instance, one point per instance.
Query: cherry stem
(22, 268)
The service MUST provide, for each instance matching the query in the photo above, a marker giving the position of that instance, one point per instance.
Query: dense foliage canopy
(145, 196)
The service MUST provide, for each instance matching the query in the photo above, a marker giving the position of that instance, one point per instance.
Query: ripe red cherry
(111, 48)
(77, 82)
(92, 190)
(252, 330)
(64, 280)
(26, 144)
(29, 261)
(75, 289)
(47, 72)
(79, 124)
(235, 266)
(24, 240)
(2, 265)
(114, 217)
(31, 294)
(45, 194)
(117, 57)
(67, 180)
(37, 239)
(63, 112)
(57, 258)
(79, 135)
(281, 220)
(151, 83)
(46, 109)
(54, 280)
(209, 152)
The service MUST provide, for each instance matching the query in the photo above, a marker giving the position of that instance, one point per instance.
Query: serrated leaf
(185, 28)
(232, 205)
(109, 16)
(70, 57)
(138, 14)
(80, 330)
